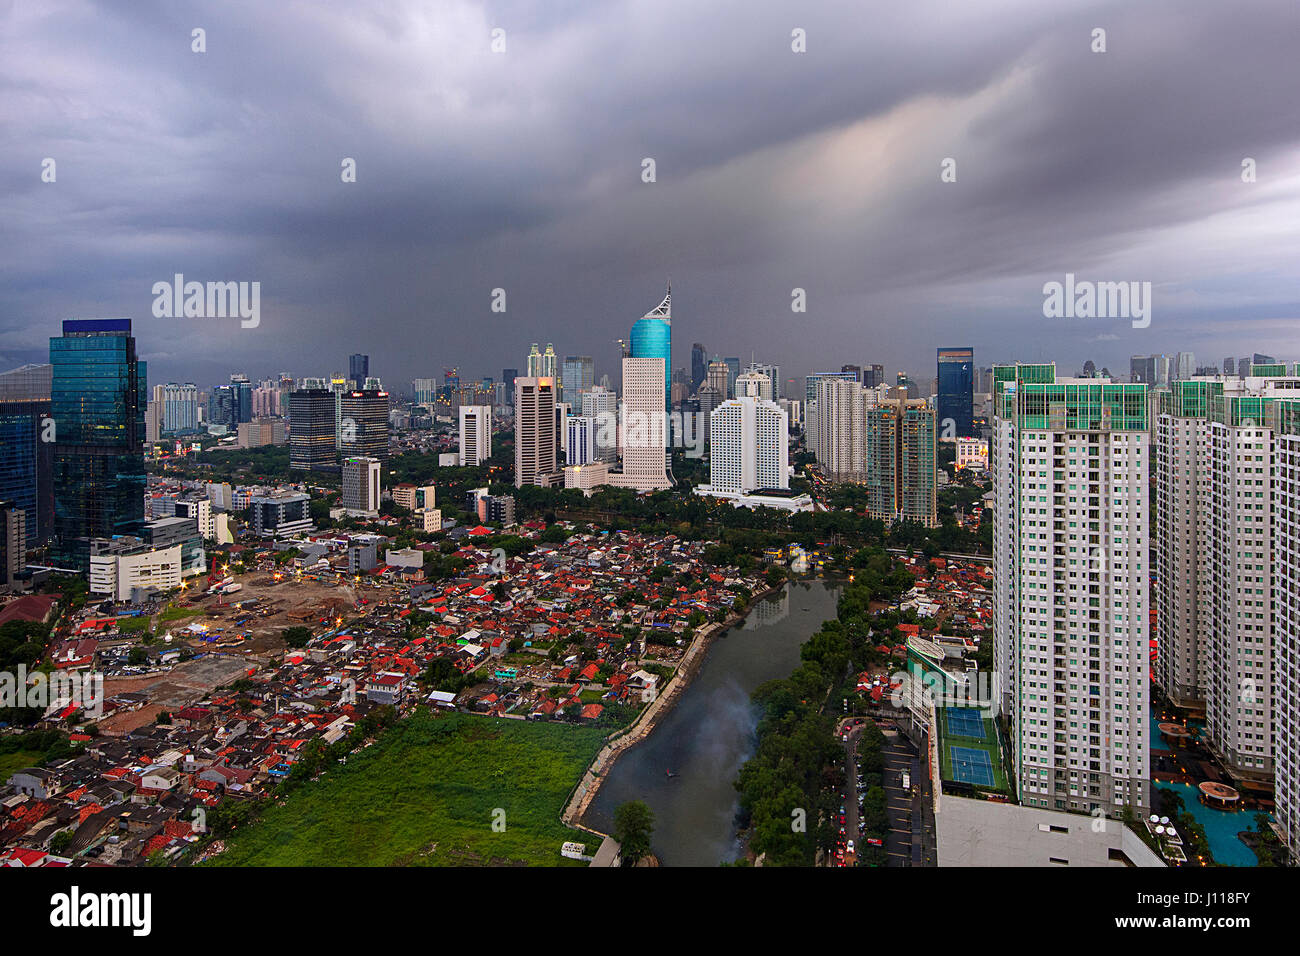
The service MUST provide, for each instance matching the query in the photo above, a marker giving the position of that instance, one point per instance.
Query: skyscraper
(361, 485)
(475, 434)
(363, 428)
(699, 366)
(27, 462)
(578, 377)
(1070, 587)
(773, 373)
(810, 382)
(1286, 612)
(312, 430)
(837, 432)
(601, 406)
(242, 398)
(544, 364)
(98, 398)
(180, 407)
(748, 446)
(733, 372)
(642, 427)
(358, 370)
(955, 403)
(1221, 481)
(652, 337)
(537, 446)
(899, 462)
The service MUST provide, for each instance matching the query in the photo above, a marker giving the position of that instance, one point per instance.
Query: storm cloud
(775, 170)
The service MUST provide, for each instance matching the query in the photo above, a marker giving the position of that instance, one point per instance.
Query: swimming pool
(1221, 826)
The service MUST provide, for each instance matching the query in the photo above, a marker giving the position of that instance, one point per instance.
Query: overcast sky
(775, 170)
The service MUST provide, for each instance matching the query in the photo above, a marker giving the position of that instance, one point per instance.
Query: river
(709, 733)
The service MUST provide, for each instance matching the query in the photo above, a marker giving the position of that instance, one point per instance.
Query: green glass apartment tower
(1070, 577)
(98, 395)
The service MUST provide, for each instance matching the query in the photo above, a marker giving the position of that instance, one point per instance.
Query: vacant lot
(18, 760)
(428, 794)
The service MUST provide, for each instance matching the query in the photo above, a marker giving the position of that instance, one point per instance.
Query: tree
(296, 636)
(633, 824)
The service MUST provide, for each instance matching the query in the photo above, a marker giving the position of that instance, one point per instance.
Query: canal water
(709, 733)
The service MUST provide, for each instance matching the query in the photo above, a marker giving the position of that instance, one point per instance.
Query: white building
(580, 449)
(586, 477)
(1070, 577)
(116, 573)
(754, 385)
(361, 486)
(642, 427)
(475, 434)
(972, 453)
(1286, 690)
(601, 404)
(749, 446)
(1220, 593)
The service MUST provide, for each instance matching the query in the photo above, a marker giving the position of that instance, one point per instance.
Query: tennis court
(971, 766)
(965, 722)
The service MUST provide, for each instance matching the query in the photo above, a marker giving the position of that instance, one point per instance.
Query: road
(910, 841)
(849, 797)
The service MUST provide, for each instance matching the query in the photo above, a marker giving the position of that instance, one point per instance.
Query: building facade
(1070, 571)
(98, 398)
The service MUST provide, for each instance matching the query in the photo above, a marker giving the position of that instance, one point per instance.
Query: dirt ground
(265, 607)
(181, 686)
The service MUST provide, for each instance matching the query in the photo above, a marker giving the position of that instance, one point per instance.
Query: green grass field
(18, 760)
(426, 794)
(175, 613)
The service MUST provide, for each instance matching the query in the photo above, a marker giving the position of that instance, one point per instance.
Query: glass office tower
(26, 462)
(652, 337)
(98, 398)
(956, 401)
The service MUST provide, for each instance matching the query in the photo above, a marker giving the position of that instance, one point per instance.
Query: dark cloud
(775, 170)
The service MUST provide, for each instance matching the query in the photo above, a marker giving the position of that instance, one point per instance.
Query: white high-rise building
(1238, 542)
(1286, 681)
(601, 405)
(773, 373)
(749, 446)
(537, 445)
(1070, 577)
(180, 407)
(475, 434)
(581, 447)
(1220, 553)
(361, 486)
(837, 426)
(754, 384)
(642, 431)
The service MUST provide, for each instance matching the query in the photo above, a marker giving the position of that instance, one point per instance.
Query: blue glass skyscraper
(955, 400)
(26, 460)
(652, 337)
(98, 398)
